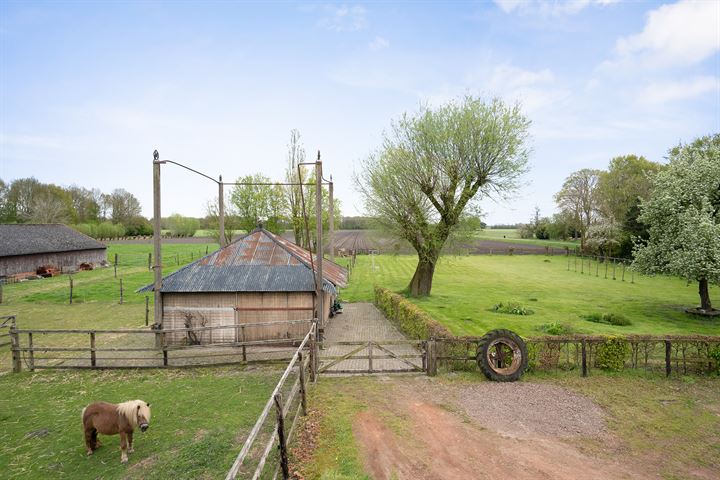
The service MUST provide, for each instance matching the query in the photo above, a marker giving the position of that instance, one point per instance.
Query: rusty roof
(258, 262)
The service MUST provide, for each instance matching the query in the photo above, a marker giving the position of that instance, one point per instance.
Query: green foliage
(608, 318)
(409, 318)
(254, 204)
(182, 226)
(683, 216)
(611, 354)
(106, 230)
(512, 308)
(556, 328)
(714, 354)
(627, 178)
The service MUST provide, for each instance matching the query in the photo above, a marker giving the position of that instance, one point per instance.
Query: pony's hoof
(123, 460)
(89, 452)
(132, 450)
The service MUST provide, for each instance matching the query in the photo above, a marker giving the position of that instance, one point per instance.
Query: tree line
(600, 208)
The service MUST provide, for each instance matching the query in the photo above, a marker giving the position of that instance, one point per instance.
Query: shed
(26, 247)
(258, 278)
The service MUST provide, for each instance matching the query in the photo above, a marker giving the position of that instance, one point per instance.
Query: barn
(24, 248)
(258, 278)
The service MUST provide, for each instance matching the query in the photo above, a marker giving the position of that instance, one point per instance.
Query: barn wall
(218, 309)
(60, 260)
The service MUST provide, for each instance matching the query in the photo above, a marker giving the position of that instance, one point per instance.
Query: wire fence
(611, 268)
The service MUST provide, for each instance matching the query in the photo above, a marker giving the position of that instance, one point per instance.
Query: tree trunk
(704, 295)
(421, 283)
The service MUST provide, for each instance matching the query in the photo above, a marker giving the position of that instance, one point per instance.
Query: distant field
(512, 235)
(465, 289)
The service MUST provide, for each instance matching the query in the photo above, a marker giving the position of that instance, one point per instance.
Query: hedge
(408, 317)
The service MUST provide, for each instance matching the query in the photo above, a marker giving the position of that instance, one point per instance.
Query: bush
(556, 328)
(714, 354)
(611, 354)
(512, 308)
(609, 318)
(410, 319)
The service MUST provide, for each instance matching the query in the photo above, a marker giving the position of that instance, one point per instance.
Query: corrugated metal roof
(28, 239)
(258, 262)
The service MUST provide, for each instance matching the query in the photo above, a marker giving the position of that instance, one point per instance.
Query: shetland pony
(111, 419)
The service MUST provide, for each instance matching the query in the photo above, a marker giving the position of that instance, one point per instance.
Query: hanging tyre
(502, 356)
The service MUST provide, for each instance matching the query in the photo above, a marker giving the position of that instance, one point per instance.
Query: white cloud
(681, 34)
(344, 18)
(549, 7)
(662, 92)
(378, 43)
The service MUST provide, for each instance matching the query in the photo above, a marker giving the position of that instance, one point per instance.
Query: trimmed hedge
(409, 318)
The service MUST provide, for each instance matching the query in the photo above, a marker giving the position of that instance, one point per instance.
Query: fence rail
(284, 412)
(144, 348)
(7, 325)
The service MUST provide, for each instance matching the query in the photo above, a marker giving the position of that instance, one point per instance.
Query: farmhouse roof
(258, 262)
(28, 239)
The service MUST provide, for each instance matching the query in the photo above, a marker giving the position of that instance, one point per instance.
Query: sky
(89, 89)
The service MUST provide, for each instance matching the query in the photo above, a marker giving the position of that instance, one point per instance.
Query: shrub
(714, 354)
(608, 318)
(611, 354)
(512, 308)
(556, 328)
(410, 319)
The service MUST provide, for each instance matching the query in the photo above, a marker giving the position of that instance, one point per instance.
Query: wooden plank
(399, 357)
(344, 357)
(303, 398)
(281, 436)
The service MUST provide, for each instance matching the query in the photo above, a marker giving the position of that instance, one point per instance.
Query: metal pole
(157, 268)
(319, 243)
(331, 222)
(221, 212)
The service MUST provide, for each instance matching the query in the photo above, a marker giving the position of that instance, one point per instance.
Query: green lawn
(466, 288)
(200, 419)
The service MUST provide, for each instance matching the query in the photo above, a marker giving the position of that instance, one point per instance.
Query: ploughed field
(466, 288)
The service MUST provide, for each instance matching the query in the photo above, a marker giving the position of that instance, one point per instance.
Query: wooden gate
(373, 356)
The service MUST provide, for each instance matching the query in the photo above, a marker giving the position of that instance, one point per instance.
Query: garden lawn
(466, 288)
(200, 419)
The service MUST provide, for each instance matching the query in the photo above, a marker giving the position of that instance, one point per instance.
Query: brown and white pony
(111, 419)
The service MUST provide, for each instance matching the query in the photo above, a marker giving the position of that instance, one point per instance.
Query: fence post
(303, 399)
(15, 346)
(606, 266)
(668, 364)
(614, 265)
(164, 348)
(115, 264)
(1, 292)
(242, 337)
(582, 265)
(206, 249)
(31, 354)
(431, 358)
(93, 359)
(370, 355)
(177, 258)
(71, 290)
(584, 358)
(149, 261)
(281, 436)
(623, 272)
(147, 310)
(121, 292)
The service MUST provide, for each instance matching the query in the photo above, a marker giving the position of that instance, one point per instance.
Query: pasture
(200, 418)
(512, 235)
(466, 288)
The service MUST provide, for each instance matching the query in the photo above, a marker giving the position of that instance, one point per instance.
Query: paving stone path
(363, 322)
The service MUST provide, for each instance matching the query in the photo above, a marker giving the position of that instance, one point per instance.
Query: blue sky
(89, 89)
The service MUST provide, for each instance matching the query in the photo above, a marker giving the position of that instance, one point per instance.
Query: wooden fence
(7, 324)
(277, 433)
(373, 356)
(679, 354)
(142, 348)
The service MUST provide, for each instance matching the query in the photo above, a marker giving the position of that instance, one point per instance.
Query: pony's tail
(82, 415)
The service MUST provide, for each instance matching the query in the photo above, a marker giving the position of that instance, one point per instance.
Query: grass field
(512, 235)
(466, 288)
(200, 419)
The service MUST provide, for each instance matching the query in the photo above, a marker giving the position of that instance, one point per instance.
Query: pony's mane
(129, 411)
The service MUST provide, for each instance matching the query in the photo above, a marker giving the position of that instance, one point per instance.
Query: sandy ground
(487, 430)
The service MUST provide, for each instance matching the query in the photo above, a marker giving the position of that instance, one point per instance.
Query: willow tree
(433, 168)
(683, 218)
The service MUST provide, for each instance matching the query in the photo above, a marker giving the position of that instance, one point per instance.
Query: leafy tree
(578, 199)
(325, 205)
(6, 213)
(434, 165)
(628, 178)
(20, 198)
(138, 226)
(683, 217)
(84, 204)
(254, 204)
(123, 205)
(212, 220)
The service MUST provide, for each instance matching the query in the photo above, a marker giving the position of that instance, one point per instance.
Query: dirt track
(432, 431)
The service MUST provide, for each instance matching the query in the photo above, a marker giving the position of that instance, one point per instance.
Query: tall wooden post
(282, 445)
(319, 245)
(15, 347)
(157, 254)
(221, 212)
(331, 222)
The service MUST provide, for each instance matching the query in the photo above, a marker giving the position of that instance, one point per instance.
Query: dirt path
(411, 436)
